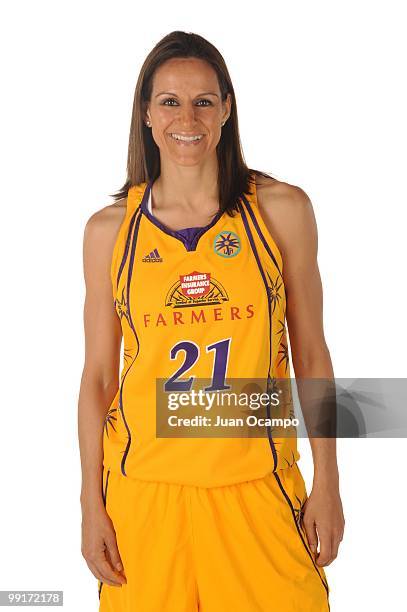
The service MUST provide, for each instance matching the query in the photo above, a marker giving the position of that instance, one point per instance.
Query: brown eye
(169, 100)
(205, 100)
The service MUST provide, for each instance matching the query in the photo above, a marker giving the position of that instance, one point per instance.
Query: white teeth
(186, 138)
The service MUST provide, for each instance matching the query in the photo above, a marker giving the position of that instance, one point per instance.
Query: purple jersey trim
(260, 233)
(289, 502)
(188, 236)
(189, 233)
(261, 270)
(128, 283)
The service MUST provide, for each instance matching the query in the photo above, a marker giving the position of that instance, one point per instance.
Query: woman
(193, 250)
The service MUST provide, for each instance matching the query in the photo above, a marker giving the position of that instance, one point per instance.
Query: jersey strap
(130, 224)
(259, 228)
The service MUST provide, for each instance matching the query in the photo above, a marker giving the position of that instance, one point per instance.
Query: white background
(321, 98)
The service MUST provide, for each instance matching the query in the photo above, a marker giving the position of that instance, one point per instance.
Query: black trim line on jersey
(256, 255)
(289, 502)
(106, 485)
(104, 497)
(129, 276)
(127, 245)
(260, 233)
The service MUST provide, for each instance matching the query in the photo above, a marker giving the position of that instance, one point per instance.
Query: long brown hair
(143, 159)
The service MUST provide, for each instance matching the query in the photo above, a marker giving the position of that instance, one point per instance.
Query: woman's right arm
(99, 384)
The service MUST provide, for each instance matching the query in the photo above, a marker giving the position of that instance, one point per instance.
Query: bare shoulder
(100, 234)
(279, 194)
(286, 210)
(104, 224)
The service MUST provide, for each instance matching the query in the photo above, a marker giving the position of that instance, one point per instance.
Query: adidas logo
(152, 257)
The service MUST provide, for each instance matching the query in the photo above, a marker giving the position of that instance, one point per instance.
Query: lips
(186, 138)
(188, 143)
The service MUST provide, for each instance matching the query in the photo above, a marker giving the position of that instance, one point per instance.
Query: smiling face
(186, 110)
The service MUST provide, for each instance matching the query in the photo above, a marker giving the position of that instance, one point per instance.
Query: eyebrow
(169, 93)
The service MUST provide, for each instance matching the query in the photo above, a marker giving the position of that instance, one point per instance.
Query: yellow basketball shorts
(238, 547)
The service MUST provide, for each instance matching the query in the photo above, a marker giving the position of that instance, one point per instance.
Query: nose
(187, 115)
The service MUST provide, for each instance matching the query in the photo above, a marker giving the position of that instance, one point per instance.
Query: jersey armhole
(122, 243)
(270, 240)
(119, 249)
(262, 229)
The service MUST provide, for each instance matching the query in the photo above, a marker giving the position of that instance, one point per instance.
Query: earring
(148, 123)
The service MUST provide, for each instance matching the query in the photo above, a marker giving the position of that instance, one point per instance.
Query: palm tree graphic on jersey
(109, 420)
(284, 359)
(281, 331)
(121, 306)
(299, 509)
(273, 291)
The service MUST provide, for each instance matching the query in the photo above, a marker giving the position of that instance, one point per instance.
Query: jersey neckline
(185, 231)
(189, 244)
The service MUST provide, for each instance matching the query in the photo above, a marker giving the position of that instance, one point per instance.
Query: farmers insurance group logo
(196, 288)
(227, 244)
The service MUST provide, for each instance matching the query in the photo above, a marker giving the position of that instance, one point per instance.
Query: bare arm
(99, 384)
(289, 215)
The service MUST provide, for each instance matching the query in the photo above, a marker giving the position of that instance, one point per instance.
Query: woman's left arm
(289, 216)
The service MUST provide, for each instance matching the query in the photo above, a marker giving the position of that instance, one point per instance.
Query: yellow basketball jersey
(210, 307)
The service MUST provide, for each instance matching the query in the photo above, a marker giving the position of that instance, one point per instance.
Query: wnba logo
(227, 244)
